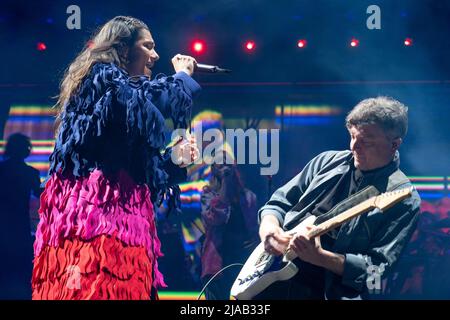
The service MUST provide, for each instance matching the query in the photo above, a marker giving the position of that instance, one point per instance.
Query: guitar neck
(383, 202)
(328, 225)
(332, 223)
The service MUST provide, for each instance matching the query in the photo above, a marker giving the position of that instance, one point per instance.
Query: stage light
(354, 42)
(301, 43)
(408, 42)
(198, 46)
(41, 46)
(250, 45)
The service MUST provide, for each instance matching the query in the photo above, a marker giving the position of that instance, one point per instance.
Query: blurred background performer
(229, 214)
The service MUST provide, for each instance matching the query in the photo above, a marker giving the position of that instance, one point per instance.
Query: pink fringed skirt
(96, 240)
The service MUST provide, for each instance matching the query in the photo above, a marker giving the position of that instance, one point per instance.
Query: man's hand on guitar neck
(275, 239)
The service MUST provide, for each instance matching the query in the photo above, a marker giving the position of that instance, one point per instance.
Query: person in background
(229, 214)
(18, 182)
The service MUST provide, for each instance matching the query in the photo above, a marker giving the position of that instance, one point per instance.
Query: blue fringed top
(117, 122)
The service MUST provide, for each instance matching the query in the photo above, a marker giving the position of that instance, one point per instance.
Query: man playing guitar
(338, 264)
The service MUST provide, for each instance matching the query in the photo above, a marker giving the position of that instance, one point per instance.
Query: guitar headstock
(388, 199)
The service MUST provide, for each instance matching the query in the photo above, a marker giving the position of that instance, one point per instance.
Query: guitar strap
(348, 203)
(396, 179)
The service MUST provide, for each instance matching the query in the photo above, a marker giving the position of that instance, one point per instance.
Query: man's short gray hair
(390, 114)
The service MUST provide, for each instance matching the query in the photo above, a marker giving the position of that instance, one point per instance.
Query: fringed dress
(97, 237)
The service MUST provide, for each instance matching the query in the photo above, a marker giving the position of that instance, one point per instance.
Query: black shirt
(348, 184)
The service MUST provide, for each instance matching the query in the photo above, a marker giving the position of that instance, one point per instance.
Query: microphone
(206, 68)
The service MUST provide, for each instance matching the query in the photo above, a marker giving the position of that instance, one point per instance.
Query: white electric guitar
(262, 269)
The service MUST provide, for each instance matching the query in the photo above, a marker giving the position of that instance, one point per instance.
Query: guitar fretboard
(335, 222)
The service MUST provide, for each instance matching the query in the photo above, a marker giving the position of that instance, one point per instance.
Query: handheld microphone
(206, 68)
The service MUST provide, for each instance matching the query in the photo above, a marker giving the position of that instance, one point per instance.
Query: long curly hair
(107, 45)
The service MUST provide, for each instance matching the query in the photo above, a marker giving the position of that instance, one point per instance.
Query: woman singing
(96, 238)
